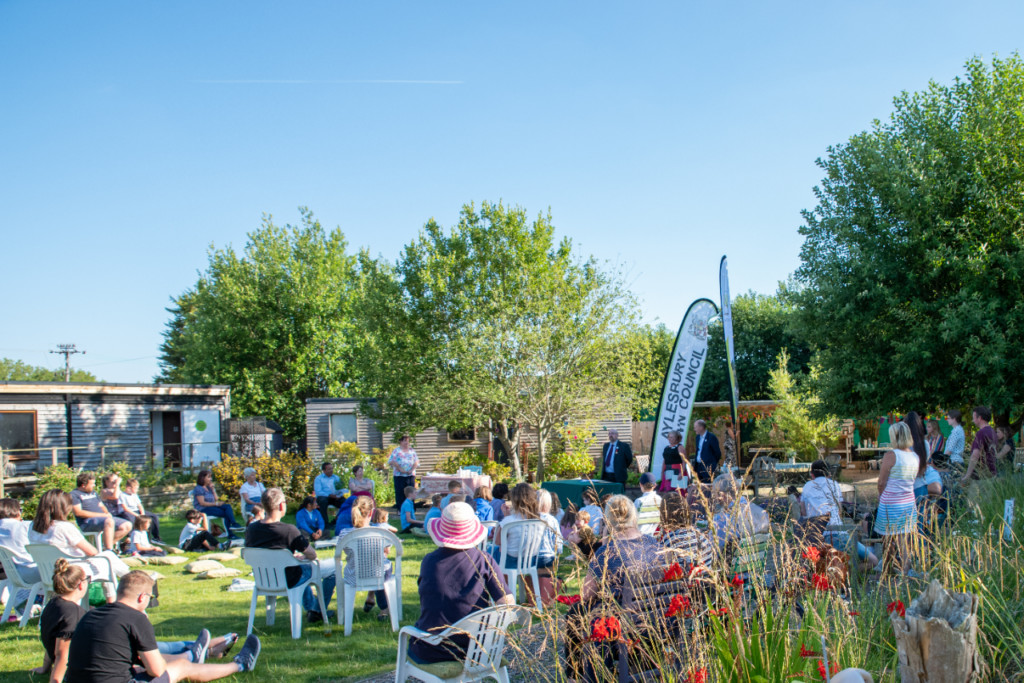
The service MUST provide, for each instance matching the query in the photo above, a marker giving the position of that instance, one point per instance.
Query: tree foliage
(19, 371)
(913, 259)
(273, 322)
(492, 323)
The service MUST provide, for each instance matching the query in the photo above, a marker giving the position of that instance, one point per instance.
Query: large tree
(19, 371)
(492, 323)
(273, 322)
(913, 259)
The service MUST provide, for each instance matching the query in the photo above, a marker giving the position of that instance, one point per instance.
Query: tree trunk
(938, 639)
(510, 444)
(542, 443)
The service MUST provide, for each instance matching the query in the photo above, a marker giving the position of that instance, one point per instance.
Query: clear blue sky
(133, 135)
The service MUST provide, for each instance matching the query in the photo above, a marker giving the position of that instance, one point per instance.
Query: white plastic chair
(14, 584)
(368, 545)
(268, 571)
(46, 556)
(488, 538)
(486, 630)
(532, 534)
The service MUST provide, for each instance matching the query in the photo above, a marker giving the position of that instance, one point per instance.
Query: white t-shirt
(188, 532)
(254, 491)
(596, 517)
(649, 506)
(138, 538)
(14, 537)
(62, 535)
(131, 502)
(822, 496)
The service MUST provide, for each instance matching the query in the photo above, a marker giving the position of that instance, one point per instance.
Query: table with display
(571, 490)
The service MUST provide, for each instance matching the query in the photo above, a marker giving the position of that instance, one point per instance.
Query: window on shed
(462, 435)
(17, 432)
(343, 427)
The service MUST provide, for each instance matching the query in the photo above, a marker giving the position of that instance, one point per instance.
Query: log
(938, 639)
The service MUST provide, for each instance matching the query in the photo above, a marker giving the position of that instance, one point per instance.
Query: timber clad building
(338, 419)
(85, 423)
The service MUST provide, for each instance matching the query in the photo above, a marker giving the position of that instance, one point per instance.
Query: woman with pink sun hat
(455, 581)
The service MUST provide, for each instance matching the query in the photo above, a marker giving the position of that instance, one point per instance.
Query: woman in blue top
(309, 520)
(205, 500)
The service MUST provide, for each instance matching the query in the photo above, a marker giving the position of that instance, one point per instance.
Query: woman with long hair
(934, 441)
(916, 424)
(525, 505)
(897, 512)
(362, 515)
(50, 526)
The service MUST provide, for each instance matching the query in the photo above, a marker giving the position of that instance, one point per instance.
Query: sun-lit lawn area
(188, 604)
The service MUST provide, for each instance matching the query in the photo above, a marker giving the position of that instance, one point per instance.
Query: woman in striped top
(897, 513)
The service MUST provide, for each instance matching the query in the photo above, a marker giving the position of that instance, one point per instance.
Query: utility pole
(67, 350)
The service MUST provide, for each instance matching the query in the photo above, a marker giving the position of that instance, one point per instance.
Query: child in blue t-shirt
(484, 511)
(309, 520)
(454, 489)
(435, 508)
(407, 513)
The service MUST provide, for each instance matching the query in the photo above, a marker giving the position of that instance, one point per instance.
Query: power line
(67, 350)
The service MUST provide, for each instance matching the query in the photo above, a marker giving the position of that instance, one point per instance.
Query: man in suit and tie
(616, 457)
(708, 453)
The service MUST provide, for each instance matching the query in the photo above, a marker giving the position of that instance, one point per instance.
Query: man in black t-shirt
(111, 639)
(274, 534)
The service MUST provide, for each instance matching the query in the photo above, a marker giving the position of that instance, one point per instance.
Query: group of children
(490, 505)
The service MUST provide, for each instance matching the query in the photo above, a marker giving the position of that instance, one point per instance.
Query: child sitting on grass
(309, 520)
(484, 511)
(380, 520)
(407, 513)
(195, 537)
(593, 509)
(138, 539)
(434, 511)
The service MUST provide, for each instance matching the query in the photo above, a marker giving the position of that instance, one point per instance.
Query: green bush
(346, 455)
(53, 477)
(452, 461)
(570, 464)
(292, 473)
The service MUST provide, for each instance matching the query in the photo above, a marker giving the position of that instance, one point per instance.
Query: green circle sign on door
(201, 425)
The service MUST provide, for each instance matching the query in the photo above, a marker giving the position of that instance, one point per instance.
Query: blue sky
(661, 135)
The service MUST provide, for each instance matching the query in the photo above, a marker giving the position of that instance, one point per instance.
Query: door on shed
(171, 422)
(201, 429)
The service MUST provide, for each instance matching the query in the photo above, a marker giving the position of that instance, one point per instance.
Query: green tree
(491, 324)
(913, 259)
(763, 325)
(274, 323)
(646, 351)
(794, 415)
(18, 371)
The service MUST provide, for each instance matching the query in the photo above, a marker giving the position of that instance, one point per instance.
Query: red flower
(606, 629)
(680, 603)
(820, 582)
(737, 581)
(598, 632)
(898, 607)
(697, 676)
(721, 612)
(833, 669)
(804, 652)
(696, 569)
(568, 599)
(673, 573)
(812, 554)
(854, 614)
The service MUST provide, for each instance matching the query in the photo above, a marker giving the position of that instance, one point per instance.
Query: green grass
(188, 604)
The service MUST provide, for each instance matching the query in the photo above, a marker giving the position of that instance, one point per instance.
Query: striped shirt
(897, 513)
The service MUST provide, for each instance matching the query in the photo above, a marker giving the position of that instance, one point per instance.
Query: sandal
(368, 605)
(384, 615)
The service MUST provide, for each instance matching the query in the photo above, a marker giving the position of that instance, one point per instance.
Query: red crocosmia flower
(680, 603)
(820, 582)
(737, 581)
(568, 599)
(599, 632)
(697, 676)
(697, 569)
(804, 652)
(673, 573)
(833, 669)
(812, 554)
(606, 629)
(721, 612)
(854, 614)
(614, 628)
(898, 607)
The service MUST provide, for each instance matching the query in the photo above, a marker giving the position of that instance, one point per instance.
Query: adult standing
(403, 462)
(92, 515)
(955, 443)
(328, 491)
(897, 512)
(708, 453)
(672, 458)
(616, 457)
(205, 500)
(933, 439)
(983, 448)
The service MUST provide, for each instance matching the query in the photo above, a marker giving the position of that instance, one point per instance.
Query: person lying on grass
(61, 616)
(108, 640)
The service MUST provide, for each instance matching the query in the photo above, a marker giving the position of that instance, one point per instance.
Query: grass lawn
(188, 604)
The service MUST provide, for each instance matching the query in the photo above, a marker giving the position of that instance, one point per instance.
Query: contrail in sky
(332, 82)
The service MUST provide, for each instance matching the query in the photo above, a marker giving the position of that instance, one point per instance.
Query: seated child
(454, 489)
(594, 510)
(407, 514)
(380, 520)
(499, 492)
(309, 520)
(138, 539)
(434, 511)
(484, 511)
(131, 507)
(582, 538)
(648, 505)
(195, 537)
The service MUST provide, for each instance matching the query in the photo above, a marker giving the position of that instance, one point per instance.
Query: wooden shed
(85, 424)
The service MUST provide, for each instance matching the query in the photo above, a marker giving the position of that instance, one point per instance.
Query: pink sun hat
(457, 527)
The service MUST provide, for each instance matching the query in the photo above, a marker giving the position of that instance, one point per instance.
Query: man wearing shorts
(93, 516)
(109, 639)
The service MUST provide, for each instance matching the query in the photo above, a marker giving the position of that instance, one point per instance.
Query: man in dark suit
(708, 453)
(616, 457)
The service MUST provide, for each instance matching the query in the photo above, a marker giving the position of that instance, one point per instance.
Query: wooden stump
(938, 638)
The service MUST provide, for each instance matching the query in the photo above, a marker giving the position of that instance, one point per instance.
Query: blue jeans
(223, 511)
(309, 601)
(172, 647)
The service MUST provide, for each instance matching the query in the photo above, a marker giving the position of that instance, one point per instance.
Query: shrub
(452, 461)
(291, 472)
(346, 455)
(570, 464)
(53, 477)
